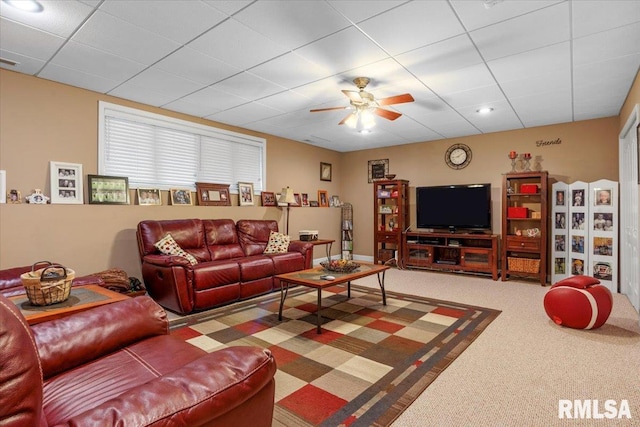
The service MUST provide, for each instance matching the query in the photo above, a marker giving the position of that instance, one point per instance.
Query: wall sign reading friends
(541, 143)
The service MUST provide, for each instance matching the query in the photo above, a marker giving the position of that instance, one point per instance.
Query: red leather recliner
(118, 365)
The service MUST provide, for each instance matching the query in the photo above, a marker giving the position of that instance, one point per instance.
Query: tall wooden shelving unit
(391, 218)
(524, 255)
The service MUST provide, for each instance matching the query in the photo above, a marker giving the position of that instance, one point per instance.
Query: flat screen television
(454, 207)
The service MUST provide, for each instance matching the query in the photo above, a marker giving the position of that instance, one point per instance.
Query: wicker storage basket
(524, 265)
(48, 285)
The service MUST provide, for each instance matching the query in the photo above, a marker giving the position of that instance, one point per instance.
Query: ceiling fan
(365, 105)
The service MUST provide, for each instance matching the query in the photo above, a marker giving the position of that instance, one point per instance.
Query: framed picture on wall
(323, 198)
(180, 197)
(3, 186)
(268, 198)
(325, 171)
(378, 169)
(66, 183)
(149, 197)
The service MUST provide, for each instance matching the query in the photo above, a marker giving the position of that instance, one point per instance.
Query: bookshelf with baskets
(390, 218)
(524, 225)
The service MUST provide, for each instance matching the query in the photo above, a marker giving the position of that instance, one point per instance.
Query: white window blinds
(161, 152)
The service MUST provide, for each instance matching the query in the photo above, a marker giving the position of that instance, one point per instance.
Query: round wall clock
(458, 156)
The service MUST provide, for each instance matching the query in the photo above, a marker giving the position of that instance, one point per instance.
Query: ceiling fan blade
(353, 95)
(398, 99)
(327, 109)
(389, 115)
(347, 118)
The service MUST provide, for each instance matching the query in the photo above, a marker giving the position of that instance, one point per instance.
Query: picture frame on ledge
(3, 186)
(108, 190)
(180, 197)
(323, 198)
(66, 183)
(268, 198)
(245, 193)
(305, 200)
(213, 194)
(149, 197)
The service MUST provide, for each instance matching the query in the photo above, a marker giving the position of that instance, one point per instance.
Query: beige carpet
(516, 372)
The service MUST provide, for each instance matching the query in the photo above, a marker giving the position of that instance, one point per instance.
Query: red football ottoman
(578, 302)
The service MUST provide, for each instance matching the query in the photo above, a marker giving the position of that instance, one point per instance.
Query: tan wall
(588, 151)
(42, 121)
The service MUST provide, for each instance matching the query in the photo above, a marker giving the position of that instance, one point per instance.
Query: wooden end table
(311, 278)
(317, 242)
(81, 298)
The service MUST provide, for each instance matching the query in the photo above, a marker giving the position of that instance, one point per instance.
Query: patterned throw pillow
(168, 246)
(278, 243)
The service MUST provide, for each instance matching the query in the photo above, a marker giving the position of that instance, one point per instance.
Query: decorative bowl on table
(340, 265)
(390, 176)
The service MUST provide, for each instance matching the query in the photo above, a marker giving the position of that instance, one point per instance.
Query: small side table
(327, 242)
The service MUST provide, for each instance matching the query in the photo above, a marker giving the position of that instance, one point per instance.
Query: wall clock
(458, 156)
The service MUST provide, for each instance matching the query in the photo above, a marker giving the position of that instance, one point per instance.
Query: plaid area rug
(370, 362)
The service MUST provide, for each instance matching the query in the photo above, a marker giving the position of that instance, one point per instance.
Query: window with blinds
(156, 151)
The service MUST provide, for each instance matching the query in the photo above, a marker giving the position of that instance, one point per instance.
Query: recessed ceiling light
(484, 110)
(25, 5)
(364, 131)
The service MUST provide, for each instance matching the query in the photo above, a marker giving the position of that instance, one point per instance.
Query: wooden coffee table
(81, 298)
(311, 278)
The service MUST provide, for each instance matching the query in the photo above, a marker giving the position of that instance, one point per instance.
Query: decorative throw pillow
(278, 243)
(168, 246)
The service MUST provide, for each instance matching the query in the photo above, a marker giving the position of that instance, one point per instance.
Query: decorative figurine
(37, 198)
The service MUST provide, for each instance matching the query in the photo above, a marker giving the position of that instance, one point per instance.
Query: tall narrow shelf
(524, 225)
(391, 218)
(347, 231)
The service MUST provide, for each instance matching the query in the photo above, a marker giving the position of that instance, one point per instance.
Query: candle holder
(513, 156)
(527, 159)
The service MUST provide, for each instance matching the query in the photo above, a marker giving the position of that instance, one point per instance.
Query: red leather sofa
(11, 284)
(117, 365)
(231, 263)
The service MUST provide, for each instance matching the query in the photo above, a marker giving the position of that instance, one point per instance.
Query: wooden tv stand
(477, 253)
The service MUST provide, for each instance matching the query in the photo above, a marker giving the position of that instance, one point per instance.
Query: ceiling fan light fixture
(366, 120)
(352, 121)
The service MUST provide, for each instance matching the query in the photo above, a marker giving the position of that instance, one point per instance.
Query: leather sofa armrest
(195, 394)
(85, 336)
(305, 248)
(166, 260)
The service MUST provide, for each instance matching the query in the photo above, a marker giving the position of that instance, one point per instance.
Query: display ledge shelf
(523, 195)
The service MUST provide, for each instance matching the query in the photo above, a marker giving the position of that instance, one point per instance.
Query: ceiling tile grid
(264, 64)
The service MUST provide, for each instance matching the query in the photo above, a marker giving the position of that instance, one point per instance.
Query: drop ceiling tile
(196, 66)
(288, 101)
(290, 70)
(544, 107)
(595, 111)
(325, 91)
(343, 51)
(442, 57)
(248, 86)
(105, 32)
(136, 93)
(24, 64)
(180, 21)
(460, 80)
(196, 110)
(214, 100)
(606, 45)
(28, 41)
(229, 7)
(485, 96)
(245, 114)
(160, 81)
(589, 17)
(237, 45)
(386, 76)
(77, 78)
(501, 118)
(610, 92)
(89, 60)
(537, 62)
(61, 18)
(623, 67)
(292, 23)
(455, 130)
(412, 25)
(474, 14)
(531, 31)
(359, 10)
(554, 81)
